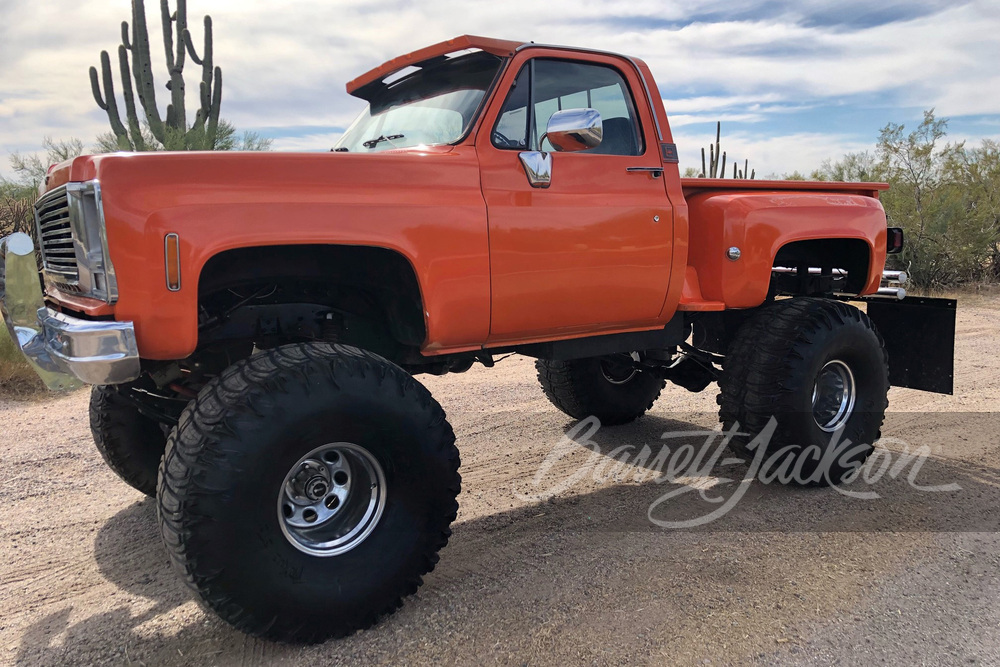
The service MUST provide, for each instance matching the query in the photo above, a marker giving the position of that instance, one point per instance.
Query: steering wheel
(504, 141)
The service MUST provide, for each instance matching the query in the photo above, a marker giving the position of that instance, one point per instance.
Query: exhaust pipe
(891, 285)
(895, 277)
(892, 292)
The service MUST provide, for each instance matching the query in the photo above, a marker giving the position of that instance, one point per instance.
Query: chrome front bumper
(63, 350)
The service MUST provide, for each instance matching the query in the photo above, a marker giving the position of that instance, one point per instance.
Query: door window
(545, 86)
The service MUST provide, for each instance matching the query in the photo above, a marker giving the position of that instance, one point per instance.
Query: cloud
(776, 155)
(761, 66)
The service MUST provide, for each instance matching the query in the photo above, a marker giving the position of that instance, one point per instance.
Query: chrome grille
(55, 238)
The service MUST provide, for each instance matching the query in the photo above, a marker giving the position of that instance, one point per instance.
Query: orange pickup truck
(252, 322)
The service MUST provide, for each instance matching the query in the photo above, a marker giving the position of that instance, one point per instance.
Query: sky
(794, 83)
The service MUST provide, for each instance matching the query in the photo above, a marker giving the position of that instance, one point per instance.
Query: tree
(864, 167)
(227, 139)
(31, 168)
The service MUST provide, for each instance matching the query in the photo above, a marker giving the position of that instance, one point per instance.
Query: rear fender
(759, 224)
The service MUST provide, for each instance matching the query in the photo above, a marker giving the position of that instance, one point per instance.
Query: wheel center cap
(316, 487)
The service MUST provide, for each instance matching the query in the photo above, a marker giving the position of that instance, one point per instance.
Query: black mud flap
(919, 334)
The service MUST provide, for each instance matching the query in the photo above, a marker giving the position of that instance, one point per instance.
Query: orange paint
(497, 261)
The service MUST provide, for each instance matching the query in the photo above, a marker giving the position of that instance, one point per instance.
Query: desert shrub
(17, 379)
(945, 196)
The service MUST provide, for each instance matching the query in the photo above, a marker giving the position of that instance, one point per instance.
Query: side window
(511, 130)
(554, 85)
(561, 84)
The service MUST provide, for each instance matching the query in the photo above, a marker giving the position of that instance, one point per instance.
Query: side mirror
(574, 130)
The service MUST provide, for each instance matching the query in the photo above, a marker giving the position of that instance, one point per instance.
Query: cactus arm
(206, 85)
(213, 115)
(95, 87)
(125, 41)
(175, 62)
(130, 114)
(722, 171)
(109, 103)
(143, 72)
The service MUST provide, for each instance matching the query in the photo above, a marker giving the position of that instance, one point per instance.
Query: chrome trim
(813, 270)
(631, 61)
(166, 259)
(102, 231)
(332, 499)
(894, 292)
(89, 270)
(900, 277)
(655, 172)
(833, 396)
(573, 130)
(63, 350)
(537, 167)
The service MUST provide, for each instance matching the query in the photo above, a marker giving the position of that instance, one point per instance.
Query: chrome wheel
(332, 499)
(619, 369)
(833, 395)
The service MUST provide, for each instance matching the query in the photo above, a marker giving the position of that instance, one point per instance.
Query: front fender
(427, 207)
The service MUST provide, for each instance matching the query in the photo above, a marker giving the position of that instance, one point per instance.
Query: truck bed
(693, 186)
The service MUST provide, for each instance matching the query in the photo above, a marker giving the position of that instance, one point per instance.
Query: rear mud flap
(919, 334)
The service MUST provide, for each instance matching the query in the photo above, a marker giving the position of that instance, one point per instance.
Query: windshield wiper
(372, 143)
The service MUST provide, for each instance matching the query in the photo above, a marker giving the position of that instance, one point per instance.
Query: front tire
(820, 369)
(302, 436)
(609, 388)
(130, 443)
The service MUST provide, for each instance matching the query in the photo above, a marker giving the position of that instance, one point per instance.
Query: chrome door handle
(655, 172)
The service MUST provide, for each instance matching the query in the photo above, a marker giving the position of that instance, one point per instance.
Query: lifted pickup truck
(253, 322)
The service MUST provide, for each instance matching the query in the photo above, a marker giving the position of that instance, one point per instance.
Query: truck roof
(498, 47)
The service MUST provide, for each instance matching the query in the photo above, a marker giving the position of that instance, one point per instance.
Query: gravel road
(785, 576)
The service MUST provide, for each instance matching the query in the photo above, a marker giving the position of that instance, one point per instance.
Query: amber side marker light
(172, 257)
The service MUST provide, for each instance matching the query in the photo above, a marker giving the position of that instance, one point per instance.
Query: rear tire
(130, 443)
(819, 368)
(242, 484)
(607, 388)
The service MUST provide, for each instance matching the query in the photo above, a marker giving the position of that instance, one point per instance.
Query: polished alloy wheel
(332, 499)
(619, 369)
(833, 395)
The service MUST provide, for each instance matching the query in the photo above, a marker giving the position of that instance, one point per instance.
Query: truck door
(592, 251)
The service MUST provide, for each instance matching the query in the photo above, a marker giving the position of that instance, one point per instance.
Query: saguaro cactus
(173, 133)
(717, 160)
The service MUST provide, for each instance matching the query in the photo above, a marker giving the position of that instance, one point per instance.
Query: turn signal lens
(172, 257)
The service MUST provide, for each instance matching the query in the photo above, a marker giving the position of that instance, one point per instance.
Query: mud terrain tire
(782, 358)
(231, 458)
(130, 443)
(600, 387)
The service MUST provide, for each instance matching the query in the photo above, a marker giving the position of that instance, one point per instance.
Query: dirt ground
(788, 576)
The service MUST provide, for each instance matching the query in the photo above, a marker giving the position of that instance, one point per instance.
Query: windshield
(437, 104)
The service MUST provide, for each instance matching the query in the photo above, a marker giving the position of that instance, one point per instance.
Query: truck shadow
(536, 560)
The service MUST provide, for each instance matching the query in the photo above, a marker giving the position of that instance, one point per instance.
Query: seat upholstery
(619, 138)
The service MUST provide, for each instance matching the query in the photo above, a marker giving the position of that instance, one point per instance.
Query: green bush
(17, 378)
(945, 197)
